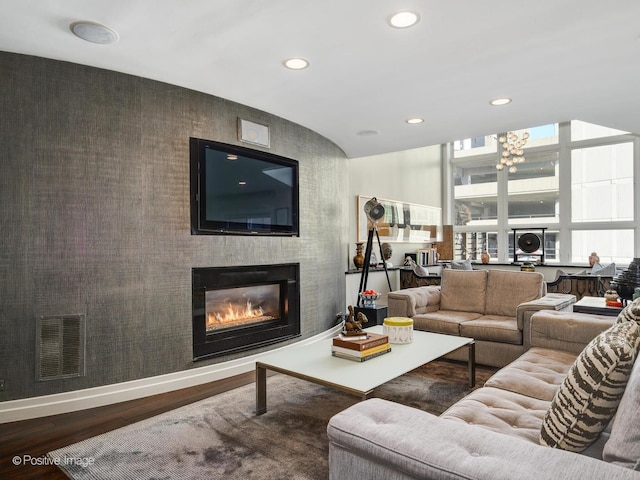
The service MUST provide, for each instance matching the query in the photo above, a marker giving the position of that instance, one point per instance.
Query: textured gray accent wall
(94, 218)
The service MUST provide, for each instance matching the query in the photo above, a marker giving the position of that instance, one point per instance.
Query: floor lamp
(374, 211)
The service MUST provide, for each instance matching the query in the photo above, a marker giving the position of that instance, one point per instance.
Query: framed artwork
(402, 221)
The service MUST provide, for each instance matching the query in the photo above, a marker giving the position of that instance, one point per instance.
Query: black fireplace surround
(280, 323)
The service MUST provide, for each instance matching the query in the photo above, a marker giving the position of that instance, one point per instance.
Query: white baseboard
(43, 406)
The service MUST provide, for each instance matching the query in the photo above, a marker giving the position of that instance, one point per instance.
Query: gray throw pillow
(461, 265)
(604, 271)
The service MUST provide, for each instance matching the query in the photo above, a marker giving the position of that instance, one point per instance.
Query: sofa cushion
(538, 373)
(501, 411)
(442, 321)
(566, 331)
(463, 291)
(589, 395)
(506, 290)
(623, 447)
(493, 328)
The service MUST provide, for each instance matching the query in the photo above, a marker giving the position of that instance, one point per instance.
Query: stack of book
(427, 256)
(360, 348)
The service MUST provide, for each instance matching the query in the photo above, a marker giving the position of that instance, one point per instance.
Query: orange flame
(231, 315)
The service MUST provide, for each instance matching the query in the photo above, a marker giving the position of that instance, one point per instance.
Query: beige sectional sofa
(495, 432)
(491, 306)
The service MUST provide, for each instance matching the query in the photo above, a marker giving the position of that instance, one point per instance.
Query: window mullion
(564, 194)
(503, 210)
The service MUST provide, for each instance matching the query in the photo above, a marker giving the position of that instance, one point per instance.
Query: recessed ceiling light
(496, 102)
(242, 182)
(296, 63)
(415, 121)
(94, 32)
(404, 19)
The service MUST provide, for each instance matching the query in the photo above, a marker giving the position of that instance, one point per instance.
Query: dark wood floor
(37, 437)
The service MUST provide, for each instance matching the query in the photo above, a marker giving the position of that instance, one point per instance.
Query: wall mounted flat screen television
(240, 191)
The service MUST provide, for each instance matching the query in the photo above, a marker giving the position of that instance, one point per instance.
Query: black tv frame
(199, 223)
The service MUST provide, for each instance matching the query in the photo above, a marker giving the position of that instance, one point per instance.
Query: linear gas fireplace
(241, 308)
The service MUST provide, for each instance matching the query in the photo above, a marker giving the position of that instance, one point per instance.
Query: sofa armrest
(381, 439)
(408, 302)
(551, 301)
(567, 331)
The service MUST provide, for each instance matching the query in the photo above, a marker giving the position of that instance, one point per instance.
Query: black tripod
(367, 260)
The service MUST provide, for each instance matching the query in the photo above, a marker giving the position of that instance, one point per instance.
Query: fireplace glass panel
(240, 306)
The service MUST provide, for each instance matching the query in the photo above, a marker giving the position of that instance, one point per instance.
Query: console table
(408, 279)
(580, 285)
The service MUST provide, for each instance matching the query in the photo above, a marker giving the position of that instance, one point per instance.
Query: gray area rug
(221, 437)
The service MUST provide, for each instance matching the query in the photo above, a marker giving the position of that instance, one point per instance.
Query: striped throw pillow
(590, 394)
(630, 313)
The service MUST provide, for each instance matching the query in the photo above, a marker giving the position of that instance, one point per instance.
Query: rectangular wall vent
(60, 346)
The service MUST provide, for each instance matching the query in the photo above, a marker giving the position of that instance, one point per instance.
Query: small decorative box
(398, 329)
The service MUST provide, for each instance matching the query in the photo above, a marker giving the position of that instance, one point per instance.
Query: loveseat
(491, 306)
(496, 431)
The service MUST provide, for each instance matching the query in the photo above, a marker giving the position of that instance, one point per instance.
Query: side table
(595, 306)
(375, 315)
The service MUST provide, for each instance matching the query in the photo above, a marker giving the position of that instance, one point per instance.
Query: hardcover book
(360, 359)
(361, 353)
(372, 340)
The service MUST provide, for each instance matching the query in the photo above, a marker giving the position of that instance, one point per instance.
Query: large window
(475, 146)
(533, 190)
(612, 246)
(602, 183)
(577, 181)
(587, 131)
(476, 194)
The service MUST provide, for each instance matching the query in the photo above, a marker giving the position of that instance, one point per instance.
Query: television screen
(240, 191)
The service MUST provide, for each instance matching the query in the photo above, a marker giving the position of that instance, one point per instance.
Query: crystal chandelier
(512, 151)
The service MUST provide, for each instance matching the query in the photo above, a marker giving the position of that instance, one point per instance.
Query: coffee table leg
(261, 389)
(472, 364)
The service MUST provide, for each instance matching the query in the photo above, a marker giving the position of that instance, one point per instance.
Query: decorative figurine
(387, 251)
(353, 325)
(358, 259)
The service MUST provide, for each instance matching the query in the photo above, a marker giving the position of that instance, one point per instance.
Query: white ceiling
(558, 59)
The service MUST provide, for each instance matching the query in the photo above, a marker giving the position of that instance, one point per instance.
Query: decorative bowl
(369, 300)
(625, 290)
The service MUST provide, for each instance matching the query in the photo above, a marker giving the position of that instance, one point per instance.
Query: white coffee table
(315, 363)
